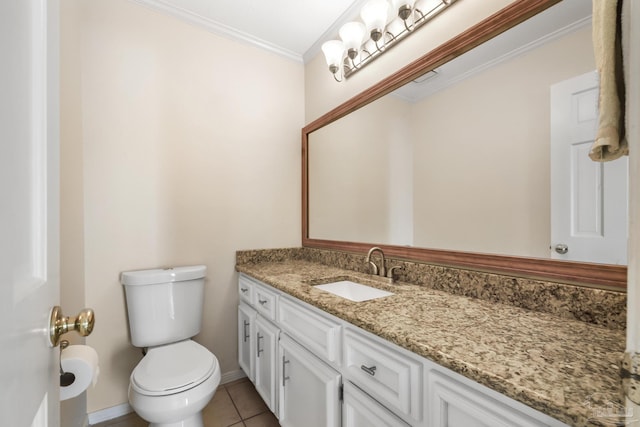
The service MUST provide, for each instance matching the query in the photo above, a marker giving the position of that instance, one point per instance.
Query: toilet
(177, 377)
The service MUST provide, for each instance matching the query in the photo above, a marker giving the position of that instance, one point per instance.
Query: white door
(589, 200)
(28, 211)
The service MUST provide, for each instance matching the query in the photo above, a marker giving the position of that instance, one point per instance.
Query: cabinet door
(308, 388)
(455, 405)
(246, 339)
(361, 410)
(266, 357)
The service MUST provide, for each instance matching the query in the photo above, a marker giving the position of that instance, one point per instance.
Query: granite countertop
(564, 368)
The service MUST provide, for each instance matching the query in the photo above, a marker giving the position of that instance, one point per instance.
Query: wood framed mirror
(581, 273)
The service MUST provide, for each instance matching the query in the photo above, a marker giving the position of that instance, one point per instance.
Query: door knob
(561, 248)
(58, 324)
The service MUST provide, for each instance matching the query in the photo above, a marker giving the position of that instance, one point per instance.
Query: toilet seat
(173, 368)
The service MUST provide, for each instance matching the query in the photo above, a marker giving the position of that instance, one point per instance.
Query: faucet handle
(390, 273)
(374, 268)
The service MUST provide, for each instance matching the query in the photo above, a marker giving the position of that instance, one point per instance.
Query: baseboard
(109, 413)
(227, 377)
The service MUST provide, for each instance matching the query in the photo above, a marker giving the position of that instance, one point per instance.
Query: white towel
(610, 140)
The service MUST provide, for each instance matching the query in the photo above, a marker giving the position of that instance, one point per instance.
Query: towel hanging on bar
(610, 142)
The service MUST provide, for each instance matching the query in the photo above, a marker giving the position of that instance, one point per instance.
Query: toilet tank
(164, 305)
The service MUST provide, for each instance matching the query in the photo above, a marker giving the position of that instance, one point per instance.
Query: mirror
(482, 205)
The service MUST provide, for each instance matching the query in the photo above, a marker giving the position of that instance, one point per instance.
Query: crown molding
(217, 27)
(431, 86)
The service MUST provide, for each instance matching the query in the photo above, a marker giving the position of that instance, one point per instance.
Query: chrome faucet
(377, 271)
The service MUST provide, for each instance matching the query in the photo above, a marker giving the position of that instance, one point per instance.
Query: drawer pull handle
(244, 290)
(260, 350)
(262, 301)
(284, 377)
(246, 335)
(369, 370)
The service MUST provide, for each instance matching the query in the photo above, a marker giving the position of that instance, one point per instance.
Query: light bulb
(375, 14)
(352, 35)
(333, 52)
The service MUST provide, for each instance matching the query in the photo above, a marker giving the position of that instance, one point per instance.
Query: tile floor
(235, 404)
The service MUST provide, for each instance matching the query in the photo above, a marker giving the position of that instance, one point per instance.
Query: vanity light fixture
(384, 23)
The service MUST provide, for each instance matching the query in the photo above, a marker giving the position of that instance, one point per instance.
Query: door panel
(589, 200)
(29, 214)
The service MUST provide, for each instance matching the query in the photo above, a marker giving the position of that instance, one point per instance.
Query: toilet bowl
(177, 377)
(173, 383)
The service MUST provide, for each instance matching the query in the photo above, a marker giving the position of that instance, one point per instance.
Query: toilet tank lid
(162, 275)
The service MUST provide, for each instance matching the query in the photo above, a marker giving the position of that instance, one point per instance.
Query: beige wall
(72, 290)
(351, 175)
(482, 154)
(188, 145)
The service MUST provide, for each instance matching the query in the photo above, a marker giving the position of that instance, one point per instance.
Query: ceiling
(293, 28)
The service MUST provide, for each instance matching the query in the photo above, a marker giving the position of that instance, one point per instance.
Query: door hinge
(341, 392)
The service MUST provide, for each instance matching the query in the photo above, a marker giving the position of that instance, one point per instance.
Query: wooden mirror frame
(580, 273)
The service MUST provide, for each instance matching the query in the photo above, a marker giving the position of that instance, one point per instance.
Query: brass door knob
(59, 325)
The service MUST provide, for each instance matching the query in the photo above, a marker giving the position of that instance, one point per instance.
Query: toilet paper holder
(66, 378)
(58, 324)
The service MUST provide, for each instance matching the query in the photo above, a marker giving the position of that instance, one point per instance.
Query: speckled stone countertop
(565, 368)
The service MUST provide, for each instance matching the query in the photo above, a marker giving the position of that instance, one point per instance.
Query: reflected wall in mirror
(458, 162)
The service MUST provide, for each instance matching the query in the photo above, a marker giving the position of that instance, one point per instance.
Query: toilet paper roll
(81, 361)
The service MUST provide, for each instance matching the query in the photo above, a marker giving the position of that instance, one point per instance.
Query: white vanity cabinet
(258, 338)
(314, 369)
(309, 389)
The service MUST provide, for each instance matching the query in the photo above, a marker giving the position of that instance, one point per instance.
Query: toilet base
(182, 409)
(195, 421)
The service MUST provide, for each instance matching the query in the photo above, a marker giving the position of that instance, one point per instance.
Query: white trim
(633, 138)
(109, 413)
(232, 376)
(217, 27)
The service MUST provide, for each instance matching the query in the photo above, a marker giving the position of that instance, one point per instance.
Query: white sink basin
(353, 291)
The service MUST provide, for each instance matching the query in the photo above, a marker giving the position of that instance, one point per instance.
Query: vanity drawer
(390, 376)
(317, 333)
(245, 289)
(265, 301)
